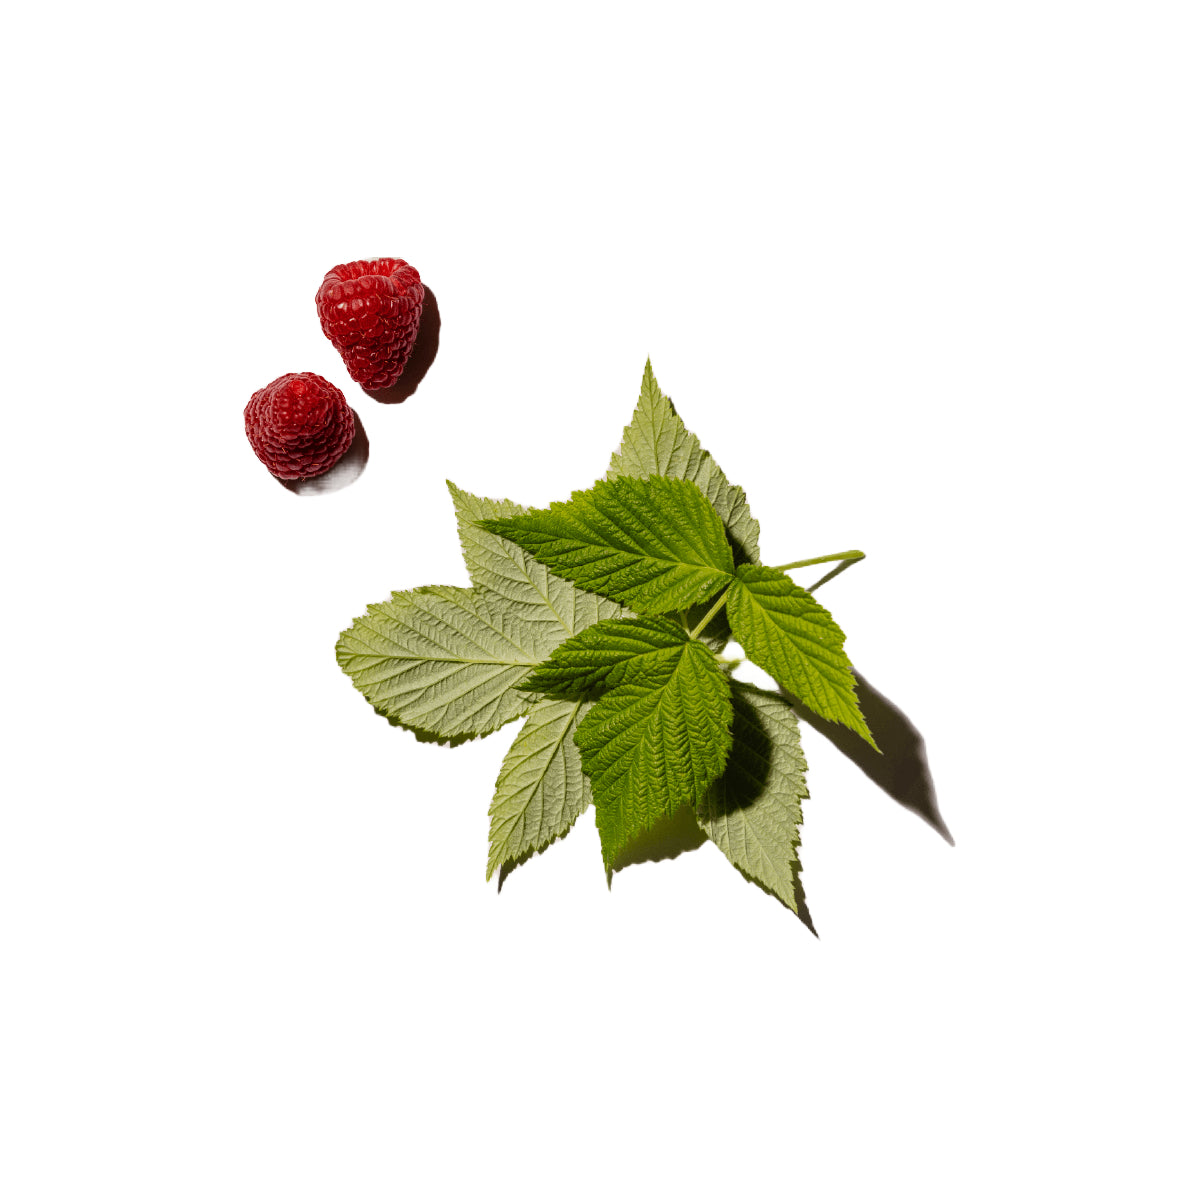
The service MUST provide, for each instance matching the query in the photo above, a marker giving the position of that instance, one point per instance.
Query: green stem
(708, 616)
(842, 566)
(845, 559)
(846, 555)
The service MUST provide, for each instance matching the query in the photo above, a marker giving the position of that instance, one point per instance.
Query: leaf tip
(863, 730)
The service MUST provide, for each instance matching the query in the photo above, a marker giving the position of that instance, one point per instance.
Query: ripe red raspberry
(370, 311)
(299, 425)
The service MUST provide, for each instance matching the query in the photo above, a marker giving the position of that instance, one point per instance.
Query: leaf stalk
(842, 566)
(847, 555)
(708, 616)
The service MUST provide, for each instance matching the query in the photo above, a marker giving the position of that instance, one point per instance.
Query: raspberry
(370, 311)
(299, 425)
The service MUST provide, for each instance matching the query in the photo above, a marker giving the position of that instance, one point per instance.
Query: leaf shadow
(901, 768)
(680, 833)
(507, 868)
(420, 359)
(669, 838)
(744, 782)
(674, 835)
(343, 472)
(424, 735)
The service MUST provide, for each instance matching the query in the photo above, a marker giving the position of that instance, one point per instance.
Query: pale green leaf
(655, 544)
(606, 653)
(794, 639)
(656, 442)
(542, 787)
(656, 742)
(442, 661)
(753, 810)
(554, 608)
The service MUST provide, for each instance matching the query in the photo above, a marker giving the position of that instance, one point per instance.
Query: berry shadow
(424, 351)
(343, 472)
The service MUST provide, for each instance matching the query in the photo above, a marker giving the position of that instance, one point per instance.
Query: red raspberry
(370, 311)
(299, 425)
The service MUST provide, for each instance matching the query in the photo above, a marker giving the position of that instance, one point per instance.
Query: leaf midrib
(520, 564)
(428, 658)
(557, 746)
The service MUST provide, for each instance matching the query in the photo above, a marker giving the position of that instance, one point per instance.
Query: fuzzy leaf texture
(656, 442)
(554, 608)
(753, 810)
(442, 661)
(606, 654)
(655, 544)
(542, 788)
(796, 640)
(656, 742)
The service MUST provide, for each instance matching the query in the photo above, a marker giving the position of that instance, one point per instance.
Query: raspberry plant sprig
(601, 620)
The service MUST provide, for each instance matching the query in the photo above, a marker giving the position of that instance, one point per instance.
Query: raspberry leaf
(796, 640)
(606, 653)
(656, 442)
(655, 544)
(442, 661)
(656, 742)
(554, 608)
(542, 788)
(753, 810)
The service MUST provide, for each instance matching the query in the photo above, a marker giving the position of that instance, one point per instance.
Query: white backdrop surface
(922, 277)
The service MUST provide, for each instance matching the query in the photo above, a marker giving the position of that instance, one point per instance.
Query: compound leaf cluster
(601, 619)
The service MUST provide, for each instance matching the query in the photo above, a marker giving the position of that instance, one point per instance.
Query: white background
(924, 279)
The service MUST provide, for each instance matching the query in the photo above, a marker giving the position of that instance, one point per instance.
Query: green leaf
(793, 638)
(656, 742)
(753, 810)
(606, 653)
(542, 787)
(441, 661)
(553, 607)
(656, 442)
(655, 544)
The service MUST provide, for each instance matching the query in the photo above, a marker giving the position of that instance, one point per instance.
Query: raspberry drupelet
(299, 425)
(371, 310)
